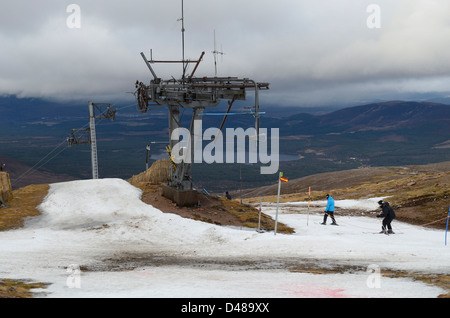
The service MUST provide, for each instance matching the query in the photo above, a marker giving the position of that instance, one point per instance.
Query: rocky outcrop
(5, 187)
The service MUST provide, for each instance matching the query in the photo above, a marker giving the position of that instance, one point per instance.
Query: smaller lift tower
(88, 135)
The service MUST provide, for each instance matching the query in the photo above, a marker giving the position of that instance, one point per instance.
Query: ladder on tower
(94, 157)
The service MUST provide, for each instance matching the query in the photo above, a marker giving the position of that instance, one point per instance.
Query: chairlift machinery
(190, 92)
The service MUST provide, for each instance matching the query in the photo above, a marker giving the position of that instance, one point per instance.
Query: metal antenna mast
(215, 52)
(182, 37)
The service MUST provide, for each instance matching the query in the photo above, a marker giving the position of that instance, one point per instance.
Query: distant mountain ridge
(378, 134)
(20, 109)
(378, 116)
(389, 114)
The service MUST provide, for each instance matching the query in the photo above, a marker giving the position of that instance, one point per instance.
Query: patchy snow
(96, 238)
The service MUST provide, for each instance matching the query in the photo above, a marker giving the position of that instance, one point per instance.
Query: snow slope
(96, 238)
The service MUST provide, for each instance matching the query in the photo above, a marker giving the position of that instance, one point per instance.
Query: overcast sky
(313, 52)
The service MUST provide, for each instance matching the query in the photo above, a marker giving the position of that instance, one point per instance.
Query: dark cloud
(312, 52)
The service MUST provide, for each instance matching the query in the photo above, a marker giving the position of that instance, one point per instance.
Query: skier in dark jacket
(388, 214)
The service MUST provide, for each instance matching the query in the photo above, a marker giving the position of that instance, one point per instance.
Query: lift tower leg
(94, 158)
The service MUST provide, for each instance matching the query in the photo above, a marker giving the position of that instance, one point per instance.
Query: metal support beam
(174, 117)
(94, 158)
(149, 66)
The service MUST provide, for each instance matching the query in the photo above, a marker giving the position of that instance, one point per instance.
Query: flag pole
(446, 227)
(309, 201)
(259, 218)
(278, 201)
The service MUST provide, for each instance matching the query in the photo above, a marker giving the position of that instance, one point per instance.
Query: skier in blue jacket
(329, 211)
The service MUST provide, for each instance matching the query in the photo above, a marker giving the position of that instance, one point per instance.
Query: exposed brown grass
(439, 280)
(18, 289)
(23, 205)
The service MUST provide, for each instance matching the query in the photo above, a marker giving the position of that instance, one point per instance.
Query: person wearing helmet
(387, 212)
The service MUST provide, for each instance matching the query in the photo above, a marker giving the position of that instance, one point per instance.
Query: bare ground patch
(132, 261)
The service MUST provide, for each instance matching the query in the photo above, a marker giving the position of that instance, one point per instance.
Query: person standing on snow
(387, 212)
(329, 211)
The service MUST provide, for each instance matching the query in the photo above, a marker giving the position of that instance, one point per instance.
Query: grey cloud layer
(312, 52)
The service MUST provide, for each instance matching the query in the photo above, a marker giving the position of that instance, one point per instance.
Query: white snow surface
(126, 248)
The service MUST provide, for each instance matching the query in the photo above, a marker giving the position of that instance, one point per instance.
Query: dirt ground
(213, 209)
(209, 210)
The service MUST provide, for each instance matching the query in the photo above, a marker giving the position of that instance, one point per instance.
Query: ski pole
(446, 227)
(309, 201)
